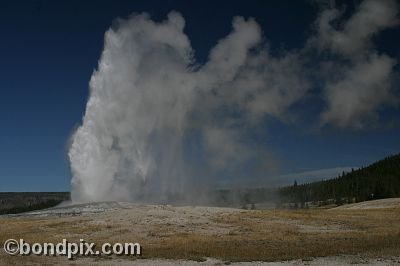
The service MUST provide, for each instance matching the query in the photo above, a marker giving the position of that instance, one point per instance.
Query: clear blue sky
(49, 49)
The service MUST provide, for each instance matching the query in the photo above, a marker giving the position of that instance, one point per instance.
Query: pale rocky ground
(139, 216)
(144, 221)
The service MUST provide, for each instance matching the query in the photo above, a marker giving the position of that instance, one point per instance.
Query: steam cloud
(363, 82)
(149, 98)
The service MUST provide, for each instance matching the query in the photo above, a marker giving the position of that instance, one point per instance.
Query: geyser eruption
(131, 137)
(147, 92)
(149, 98)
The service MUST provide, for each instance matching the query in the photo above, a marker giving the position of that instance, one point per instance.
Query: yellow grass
(268, 235)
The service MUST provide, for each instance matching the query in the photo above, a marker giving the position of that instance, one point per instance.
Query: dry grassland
(229, 235)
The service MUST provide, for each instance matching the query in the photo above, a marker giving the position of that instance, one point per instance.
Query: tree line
(377, 181)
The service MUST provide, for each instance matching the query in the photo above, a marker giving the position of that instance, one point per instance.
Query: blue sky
(49, 50)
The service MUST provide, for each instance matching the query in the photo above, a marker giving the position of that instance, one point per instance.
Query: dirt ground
(215, 236)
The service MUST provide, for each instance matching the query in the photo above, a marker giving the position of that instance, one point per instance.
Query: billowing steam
(159, 127)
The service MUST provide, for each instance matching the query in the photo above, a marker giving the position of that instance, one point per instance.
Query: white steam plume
(136, 113)
(361, 80)
(149, 96)
(143, 98)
